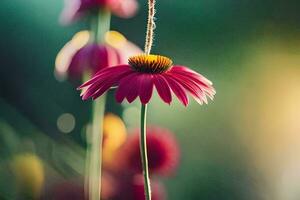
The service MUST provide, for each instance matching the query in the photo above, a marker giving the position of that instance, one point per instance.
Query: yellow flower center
(150, 63)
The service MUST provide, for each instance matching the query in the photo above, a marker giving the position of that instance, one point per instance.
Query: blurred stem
(143, 149)
(100, 25)
(86, 77)
(96, 148)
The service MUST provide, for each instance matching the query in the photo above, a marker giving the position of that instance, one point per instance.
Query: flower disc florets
(153, 64)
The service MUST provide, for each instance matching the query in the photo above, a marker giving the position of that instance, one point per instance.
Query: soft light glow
(66, 123)
(29, 173)
(270, 115)
(80, 39)
(114, 131)
(131, 116)
(115, 39)
(64, 57)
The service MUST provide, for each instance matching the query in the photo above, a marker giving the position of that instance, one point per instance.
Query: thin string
(150, 26)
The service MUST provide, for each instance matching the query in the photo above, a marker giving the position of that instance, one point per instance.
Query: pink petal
(103, 82)
(163, 88)
(100, 57)
(115, 69)
(205, 89)
(102, 79)
(106, 71)
(192, 88)
(104, 88)
(70, 11)
(111, 57)
(178, 90)
(194, 75)
(145, 84)
(114, 80)
(133, 85)
(93, 89)
(128, 88)
(198, 78)
(182, 69)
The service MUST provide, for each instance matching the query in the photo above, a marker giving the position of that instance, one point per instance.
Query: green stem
(100, 25)
(143, 149)
(86, 77)
(96, 149)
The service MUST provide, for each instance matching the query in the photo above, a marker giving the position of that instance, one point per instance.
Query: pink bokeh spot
(75, 9)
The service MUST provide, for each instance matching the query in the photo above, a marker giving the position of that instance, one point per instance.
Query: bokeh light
(66, 123)
(28, 170)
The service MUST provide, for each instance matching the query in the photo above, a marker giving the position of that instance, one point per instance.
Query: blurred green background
(242, 146)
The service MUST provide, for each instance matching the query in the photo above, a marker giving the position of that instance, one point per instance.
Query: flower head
(93, 57)
(78, 56)
(142, 74)
(77, 8)
(163, 152)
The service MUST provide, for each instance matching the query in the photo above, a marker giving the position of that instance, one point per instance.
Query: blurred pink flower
(92, 58)
(143, 72)
(74, 190)
(75, 9)
(64, 191)
(163, 152)
(158, 191)
(132, 187)
(78, 56)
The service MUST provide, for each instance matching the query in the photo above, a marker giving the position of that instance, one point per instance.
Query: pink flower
(158, 191)
(74, 190)
(132, 187)
(75, 9)
(162, 148)
(66, 190)
(78, 56)
(93, 57)
(142, 74)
